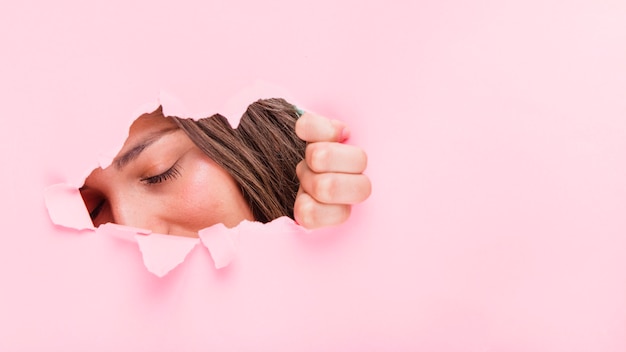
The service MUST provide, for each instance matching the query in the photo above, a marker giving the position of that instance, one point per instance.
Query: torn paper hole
(220, 173)
(177, 176)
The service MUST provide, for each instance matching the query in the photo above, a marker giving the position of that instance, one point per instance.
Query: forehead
(146, 125)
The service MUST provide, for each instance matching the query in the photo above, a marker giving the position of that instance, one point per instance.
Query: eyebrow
(134, 152)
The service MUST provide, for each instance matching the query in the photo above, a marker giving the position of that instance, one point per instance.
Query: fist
(331, 174)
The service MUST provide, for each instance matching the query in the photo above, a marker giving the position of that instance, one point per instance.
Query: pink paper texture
(496, 138)
(220, 242)
(66, 207)
(162, 253)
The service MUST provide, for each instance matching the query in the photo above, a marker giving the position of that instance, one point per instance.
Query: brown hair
(261, 154)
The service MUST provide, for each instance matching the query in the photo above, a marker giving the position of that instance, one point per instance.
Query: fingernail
(345, 134)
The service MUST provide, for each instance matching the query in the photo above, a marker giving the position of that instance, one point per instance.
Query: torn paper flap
(66, 207)
(280, 225)
(121, 231)
(220, 241)
(162, 253)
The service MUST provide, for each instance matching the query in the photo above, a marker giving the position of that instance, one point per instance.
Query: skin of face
(161, 181)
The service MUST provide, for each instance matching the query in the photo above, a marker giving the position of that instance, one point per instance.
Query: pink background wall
(496, 133)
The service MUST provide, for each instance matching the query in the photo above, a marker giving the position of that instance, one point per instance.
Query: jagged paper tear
(220, 241)
(66, 207)
(162, 253)
(232, 110)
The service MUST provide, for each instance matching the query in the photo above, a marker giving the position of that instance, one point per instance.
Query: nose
(136, 212)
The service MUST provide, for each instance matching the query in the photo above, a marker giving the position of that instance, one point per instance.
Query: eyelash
(96, 211)
(171, 173)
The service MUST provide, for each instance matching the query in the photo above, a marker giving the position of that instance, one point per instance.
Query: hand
(331, 175)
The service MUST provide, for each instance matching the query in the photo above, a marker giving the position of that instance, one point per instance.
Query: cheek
(208, 195)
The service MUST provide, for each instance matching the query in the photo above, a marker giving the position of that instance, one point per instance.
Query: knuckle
(304, 211)
(306, 178)
(301, 169)
(324, 187)
(319, 155)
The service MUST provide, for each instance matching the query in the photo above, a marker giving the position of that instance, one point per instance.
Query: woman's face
(163, 182)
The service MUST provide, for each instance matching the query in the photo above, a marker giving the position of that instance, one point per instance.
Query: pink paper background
(496, 133)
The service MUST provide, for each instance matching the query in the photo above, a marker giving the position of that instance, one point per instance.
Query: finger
(334, 188)
(315, 128)
(312, 214)
(335, 157)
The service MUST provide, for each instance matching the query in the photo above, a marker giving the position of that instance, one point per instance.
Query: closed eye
(170, 174)
(94, 202)
(96, 211)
